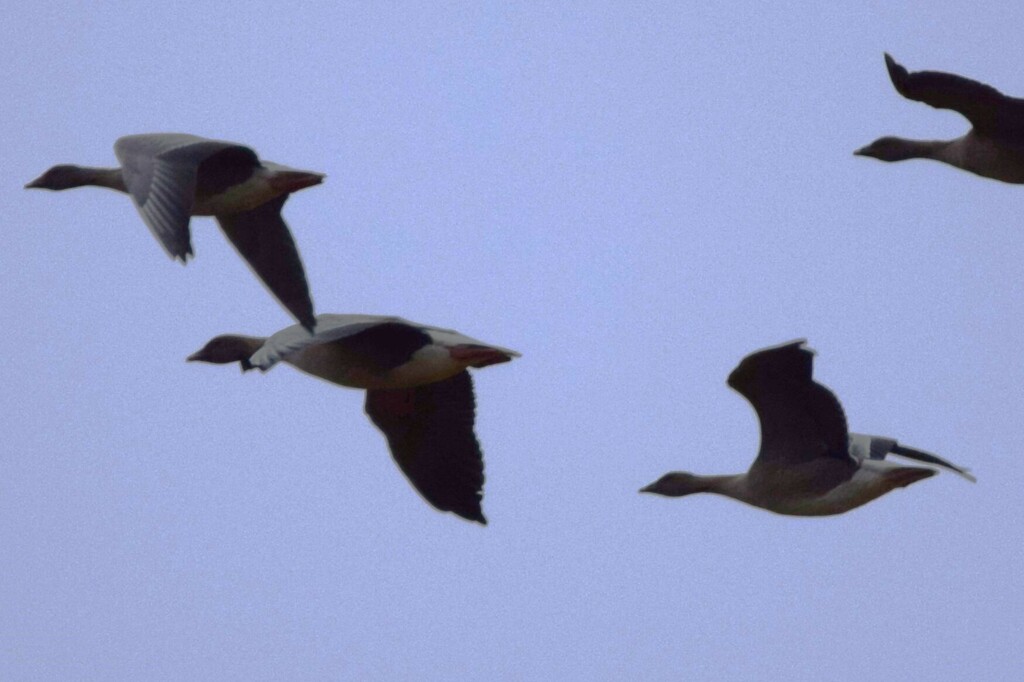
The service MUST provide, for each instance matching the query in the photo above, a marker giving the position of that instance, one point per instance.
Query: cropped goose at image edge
(993, 148)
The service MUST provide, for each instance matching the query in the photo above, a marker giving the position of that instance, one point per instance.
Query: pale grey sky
(634, 199)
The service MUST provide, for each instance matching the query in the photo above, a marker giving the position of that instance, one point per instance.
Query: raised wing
(263, 240)
(430, 433)
(800, 419)
(988, 110)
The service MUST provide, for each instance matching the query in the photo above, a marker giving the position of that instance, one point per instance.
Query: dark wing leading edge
(263, 240)
(800, 419)
(430, 433)
(160, 172)
(330, 329)
(988, 110)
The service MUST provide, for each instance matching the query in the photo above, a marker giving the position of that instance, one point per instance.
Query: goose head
(222, 350)
(676, 484)
(63, 176)
(892, 149)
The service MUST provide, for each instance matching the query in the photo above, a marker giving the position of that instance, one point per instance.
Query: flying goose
(418, 392)
(173, 176)
(809, 464)
(993, 148)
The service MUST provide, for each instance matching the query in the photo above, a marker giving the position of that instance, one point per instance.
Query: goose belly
(982, 156)
(238, 198)
(868, 483)
(332, 363)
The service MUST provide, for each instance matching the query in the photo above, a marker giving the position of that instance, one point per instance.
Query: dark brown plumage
(993, 148)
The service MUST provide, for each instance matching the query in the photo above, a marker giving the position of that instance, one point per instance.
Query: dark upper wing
(263, 240)
(988, 110)
(330, 329)
(382, 347)
(221, 167)
(801, 420)
(430, 433)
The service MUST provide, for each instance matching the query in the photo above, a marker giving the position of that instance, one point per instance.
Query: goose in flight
(418, 392)
(809, 464)
(173, 176)
(993, 148)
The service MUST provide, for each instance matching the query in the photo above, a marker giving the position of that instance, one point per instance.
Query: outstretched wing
(430, 433)
(262, 238)
(332, 328)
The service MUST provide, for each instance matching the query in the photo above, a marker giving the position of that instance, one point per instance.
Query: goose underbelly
(982, 156)
(332, 363)
(237, 198)
(868, 483)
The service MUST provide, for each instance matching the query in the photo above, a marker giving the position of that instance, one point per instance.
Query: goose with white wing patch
(808, 463)
(993, 148)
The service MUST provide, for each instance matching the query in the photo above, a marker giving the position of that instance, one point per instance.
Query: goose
(808, 464)
(418, 391)
(173, 176)
(993, 148)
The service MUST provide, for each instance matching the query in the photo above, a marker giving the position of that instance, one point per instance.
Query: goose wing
(878, 447)
(429, 430)
(801, 420)
(329, 329)
(988, 110)
(262, 238)
(160, 171)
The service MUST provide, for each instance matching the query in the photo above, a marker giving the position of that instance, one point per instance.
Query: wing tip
(476, 516)
(966, 473)
(898, 73)
(931, 459)
(799, 343)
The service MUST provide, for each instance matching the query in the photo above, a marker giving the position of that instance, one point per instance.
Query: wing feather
(800, 419)
(262, 238)
(430, 433)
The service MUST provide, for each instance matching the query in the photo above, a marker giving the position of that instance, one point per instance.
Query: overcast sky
(632, 198)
